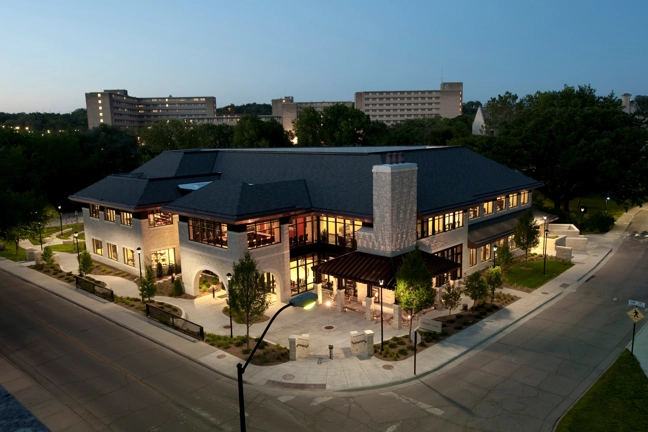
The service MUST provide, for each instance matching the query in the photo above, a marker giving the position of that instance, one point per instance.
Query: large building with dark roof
(313, 218)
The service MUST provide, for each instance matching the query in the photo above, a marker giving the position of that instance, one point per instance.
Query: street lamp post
(139, 259)
(229, 278)
(61, 218)
(306, 300)
(606, 200)
(544, 269)
(76, 239)
(494, 255)
(381, 281)
(583, 209)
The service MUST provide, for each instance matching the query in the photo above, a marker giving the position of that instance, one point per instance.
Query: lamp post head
(76, 234)
(59, 207)
(607, 198)
(495, 248)
(139, 250)
(228, 276)
(546, 231)
(545, 218)
(306, 300)
(582, 209)
(381, 281)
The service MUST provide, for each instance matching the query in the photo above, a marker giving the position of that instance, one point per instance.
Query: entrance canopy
(369, 269)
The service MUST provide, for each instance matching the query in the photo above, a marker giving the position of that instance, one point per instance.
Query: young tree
(85, 263)
(526, 233)
(414, 291)
(177, 287)
(47, 255)
(504, 256)
(451, 297)
(476, 287)
(148, 287)
(494, 280)
(247, 295)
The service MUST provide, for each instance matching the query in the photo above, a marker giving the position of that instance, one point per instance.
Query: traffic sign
(635, 315)
(636, 303)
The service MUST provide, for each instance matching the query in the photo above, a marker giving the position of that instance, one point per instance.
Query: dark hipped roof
(369, 269)
(336, 180)
(129, 192)
(229, 201)
(488, 231)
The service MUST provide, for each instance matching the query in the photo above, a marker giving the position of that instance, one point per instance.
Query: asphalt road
(523, 381)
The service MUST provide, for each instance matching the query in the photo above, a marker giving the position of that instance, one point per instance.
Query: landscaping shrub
(85, 263)
(599, 222)
(159, 270)
(402, 351)
(177, 288)
(393, 345)
(48, 256)
(504, 255)
(411, 347)
(246, 350)
(170, 270)
(458, 327)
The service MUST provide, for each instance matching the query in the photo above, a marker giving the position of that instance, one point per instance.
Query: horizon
(252, 53)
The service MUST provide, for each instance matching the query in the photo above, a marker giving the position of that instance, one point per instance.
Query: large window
(301, 275)
(302, 230)
(440, 223)
(453, 254)
(109, 214)
(94, 211)
(112, 251)
(157, 218)
(129, 257)
(488, 207)
(473, 257)
(97, 246)
(208, 232)
(513, 200)
(164, 257)
(127, 218)
(486, 252)
(339, 231)
(524, 197)
(501, 203)
(263, 233)
(473, 212)
(511, 242)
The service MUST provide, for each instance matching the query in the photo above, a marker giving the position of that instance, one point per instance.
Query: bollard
(331, 352)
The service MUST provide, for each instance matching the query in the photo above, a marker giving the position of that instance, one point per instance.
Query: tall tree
(476, 287)
(451, 297)
(247, 293)
(494, 280)
(343, 126)
(250, 132)
(526, 233)
(308, 128)
(414, 291)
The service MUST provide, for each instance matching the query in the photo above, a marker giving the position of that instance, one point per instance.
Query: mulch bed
(401, 348)
(266, 355)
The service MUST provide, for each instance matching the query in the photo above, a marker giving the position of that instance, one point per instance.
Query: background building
(117, 108)
(288, 109)
(395, 106)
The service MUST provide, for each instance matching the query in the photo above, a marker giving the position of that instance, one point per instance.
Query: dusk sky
(244, 51)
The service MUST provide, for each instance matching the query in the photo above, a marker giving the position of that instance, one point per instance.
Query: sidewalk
(344, 372)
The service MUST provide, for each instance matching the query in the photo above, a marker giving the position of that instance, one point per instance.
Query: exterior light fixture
(229, 278)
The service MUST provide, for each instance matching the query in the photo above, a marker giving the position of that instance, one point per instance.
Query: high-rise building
(288, 109)
(116, 107)
(395, 106)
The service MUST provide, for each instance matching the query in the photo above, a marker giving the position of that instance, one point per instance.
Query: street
(107, 378)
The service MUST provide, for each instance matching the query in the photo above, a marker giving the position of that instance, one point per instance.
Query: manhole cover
(288, 377)
(388, 367)
(222, 356)
(226, 326)
(329, 327)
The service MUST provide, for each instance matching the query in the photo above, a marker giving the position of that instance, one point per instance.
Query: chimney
(625, 98)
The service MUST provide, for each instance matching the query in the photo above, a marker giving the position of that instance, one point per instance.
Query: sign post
(635, 316)
(415, 341)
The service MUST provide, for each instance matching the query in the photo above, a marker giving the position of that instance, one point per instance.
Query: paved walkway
(344, 372)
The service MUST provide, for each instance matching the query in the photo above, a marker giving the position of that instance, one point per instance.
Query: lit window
(513, 200)
(263, 234)
(473, 212)
(109, 215)
(98, 94)
(100, 108)
(488, 207)
(94, 211)
(524, 197)
(208, 232)
(100, 120)
(112, 251)
(127, 218)
(165, 257)
(158, 218)
(129, 257)
(486, 252)
(99, 100)
(97, 246)
(501, 203)
(473, 257)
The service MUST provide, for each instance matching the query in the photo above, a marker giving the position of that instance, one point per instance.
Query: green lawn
(10, 252)
(616, 402)
(69, 234)
(519, 274)
(67, 247)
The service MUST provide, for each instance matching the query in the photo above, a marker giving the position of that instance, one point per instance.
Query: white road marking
(320, 400)
(285, 399)
(424, 406)
(392, 428)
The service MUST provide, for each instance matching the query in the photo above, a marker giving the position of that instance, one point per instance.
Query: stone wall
(394, 210)
(577, 243)
(564, 253)
(568, 230)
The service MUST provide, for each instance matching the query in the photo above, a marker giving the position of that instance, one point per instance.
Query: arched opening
(208, 282)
